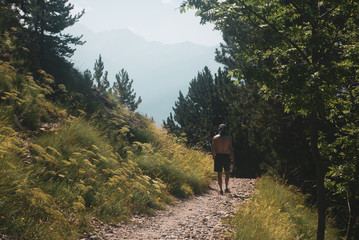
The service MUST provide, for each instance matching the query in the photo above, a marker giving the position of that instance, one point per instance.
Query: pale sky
(154, 20)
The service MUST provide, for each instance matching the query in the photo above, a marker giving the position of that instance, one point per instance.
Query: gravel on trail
(198, 217)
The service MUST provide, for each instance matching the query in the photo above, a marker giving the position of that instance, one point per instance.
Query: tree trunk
(352, 213)
(320, 173)
(350, 225)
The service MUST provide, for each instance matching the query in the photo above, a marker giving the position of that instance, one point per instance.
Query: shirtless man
(223, 156)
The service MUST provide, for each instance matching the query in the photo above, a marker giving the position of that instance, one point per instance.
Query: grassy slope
(277, 212)
(108, 166)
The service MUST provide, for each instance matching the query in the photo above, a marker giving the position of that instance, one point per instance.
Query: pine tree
(88, 77)
(11, 35)
(98, 71)
(100, 76)
(45, 21)
(122, 87)
(201, 111)
(105, 84)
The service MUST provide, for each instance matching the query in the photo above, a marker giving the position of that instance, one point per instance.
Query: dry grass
(108, 166)
(277, 212)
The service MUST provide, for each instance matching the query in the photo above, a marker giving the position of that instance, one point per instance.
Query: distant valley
(159, 70)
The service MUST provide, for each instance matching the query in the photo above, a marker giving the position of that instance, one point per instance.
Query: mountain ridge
(159, 70)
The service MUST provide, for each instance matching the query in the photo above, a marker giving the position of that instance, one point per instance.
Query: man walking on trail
(223, 156)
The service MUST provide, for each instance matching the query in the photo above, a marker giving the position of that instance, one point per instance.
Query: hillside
(58, 170)
(159, 70)
(70, 152)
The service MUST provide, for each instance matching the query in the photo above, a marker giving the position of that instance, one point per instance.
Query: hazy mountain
(159, 70)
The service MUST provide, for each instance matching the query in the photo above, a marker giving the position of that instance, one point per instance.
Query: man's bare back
(222, 144)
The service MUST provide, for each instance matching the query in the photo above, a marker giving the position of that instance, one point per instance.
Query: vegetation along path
(199, 217)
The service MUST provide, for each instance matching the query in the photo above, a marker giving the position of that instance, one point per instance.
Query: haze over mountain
(159, 70)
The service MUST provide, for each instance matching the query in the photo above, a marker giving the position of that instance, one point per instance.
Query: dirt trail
(199, 217)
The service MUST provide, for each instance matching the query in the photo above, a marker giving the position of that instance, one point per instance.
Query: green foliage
(12, 45)
(122, 88)
(259, 127)
(185, 173)
(88, 159)
(99, 76)
(342, 152)
(305, 54)
(200, 112)
(45, 21)
(277, 211)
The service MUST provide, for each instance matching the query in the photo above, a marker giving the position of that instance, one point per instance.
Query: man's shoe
(227, 190)
(220, 192)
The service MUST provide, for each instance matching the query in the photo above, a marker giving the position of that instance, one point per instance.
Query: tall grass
(52, 183)
(26, 99)
(25, 209)
(85, 163)
(185, 171)
(53, 186)
(277, 212)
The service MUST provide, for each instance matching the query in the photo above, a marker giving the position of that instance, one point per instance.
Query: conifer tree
(122, 87)
(98, 71)
(100, 76)
(88, 77)
(105, 84)
(171, 125)
(45, 21)
(11, 34)
(201, 111)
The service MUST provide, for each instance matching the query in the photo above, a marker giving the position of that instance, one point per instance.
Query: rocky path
(199, 217)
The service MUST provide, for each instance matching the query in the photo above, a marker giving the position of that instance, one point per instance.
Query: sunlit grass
(106, 166)
(277, 212)
(74, 173)
(185, 171)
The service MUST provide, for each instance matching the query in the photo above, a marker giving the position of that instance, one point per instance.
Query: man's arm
(213, 148)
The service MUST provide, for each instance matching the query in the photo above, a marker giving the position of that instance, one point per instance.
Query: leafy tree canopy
(305, 54)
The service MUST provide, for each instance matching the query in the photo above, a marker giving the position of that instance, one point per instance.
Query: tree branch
(304, 56)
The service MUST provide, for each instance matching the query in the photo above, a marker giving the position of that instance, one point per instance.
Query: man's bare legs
(220, 182)
(226, 181)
